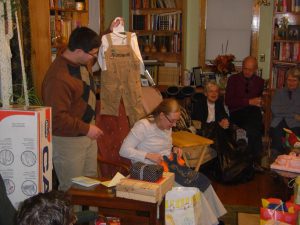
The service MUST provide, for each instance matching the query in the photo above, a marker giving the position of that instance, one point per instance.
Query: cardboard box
(145, 191)
(25, 151)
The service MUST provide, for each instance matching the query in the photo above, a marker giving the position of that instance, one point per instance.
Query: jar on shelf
(79, 4)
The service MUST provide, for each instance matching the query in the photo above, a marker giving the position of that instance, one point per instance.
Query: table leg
(203, 151)
(186, 159)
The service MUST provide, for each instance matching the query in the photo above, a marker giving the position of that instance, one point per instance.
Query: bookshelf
(65, 16)
(41, 13)
(285, 41)
(160, 31)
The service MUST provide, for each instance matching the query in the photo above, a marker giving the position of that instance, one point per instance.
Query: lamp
(263, 2)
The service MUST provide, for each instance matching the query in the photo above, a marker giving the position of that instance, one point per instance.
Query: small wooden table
(129, 211)
(193, 147)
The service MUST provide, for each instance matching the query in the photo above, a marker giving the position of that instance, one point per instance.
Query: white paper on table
(85, 181)
(113, 182)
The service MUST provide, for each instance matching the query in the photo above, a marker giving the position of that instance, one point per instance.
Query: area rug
(231, 218)
(248, 219)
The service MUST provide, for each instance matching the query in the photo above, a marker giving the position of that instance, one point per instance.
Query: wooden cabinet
(285, 41)
(48, 34)
(159, 25)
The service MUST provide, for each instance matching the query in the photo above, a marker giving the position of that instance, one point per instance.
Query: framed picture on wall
(294, 32)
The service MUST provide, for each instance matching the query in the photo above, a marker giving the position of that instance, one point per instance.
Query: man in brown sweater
(69, 89)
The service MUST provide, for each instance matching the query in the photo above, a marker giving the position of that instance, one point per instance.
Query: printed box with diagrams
(25, 151)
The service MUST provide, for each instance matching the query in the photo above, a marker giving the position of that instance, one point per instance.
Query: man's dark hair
(83, 38)
(50, 208)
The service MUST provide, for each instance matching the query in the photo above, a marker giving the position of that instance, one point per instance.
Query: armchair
(115, 131)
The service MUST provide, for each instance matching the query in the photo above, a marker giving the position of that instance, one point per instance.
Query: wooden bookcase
(159, 25)
(285, 41)
(285, 52)
(65, 16)
(45, 39)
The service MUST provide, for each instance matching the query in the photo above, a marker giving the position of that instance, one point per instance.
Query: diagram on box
(6, 157)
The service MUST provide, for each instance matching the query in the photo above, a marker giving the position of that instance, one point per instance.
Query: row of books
(62, 4)
(157, 22)
(61, 28)
(279, 76)
(286, 51)
(170, 43)
(167, 74)
(146, 4)
(287, 6)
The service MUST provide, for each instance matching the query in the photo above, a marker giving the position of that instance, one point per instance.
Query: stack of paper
(85, 181)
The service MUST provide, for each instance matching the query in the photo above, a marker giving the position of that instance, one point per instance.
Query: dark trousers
(277, 135)
(250, 119)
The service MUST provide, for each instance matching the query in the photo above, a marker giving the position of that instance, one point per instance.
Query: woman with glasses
(285, 108)
(150, 141)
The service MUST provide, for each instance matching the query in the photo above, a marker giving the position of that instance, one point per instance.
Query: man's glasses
(94, 55)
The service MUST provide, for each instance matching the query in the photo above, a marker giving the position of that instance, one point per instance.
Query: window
(228, 28)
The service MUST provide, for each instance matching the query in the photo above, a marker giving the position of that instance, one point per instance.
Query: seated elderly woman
(230, 142)
(209, 108)
(150, 141)
(285, 108)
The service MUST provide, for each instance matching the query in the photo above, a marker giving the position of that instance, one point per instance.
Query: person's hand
(94, 132)
(224, 123)
(178, 151)
(154, 157)
(255, 101)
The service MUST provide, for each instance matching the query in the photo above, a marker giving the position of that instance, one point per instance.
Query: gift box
(25, 151)
(143, 190)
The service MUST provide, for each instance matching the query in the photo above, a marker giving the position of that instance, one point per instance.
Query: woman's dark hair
(83, 38)
(50, 208)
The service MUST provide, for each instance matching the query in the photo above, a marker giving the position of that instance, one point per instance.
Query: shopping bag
(297, 190)
(183, 206)
(274, 209)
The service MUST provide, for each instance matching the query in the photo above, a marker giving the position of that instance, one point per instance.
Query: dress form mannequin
(118, 36)
(121, 63)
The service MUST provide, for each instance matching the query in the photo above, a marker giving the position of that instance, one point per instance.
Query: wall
(191, 45)
(112, 9)
(265, 36)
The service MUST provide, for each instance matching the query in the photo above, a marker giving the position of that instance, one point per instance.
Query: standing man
(69, 89)
(244, 100)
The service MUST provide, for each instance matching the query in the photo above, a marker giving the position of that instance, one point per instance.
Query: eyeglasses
(170, 121)
(94, 55)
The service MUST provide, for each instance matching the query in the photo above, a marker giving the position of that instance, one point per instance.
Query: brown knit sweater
(70, 98)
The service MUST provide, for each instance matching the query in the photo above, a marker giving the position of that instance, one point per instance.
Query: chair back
(115, 129)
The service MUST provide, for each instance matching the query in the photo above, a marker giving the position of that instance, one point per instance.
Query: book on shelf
(139, 22)
(152, 69)
(287, 6)
(279, 76)
(287, 51)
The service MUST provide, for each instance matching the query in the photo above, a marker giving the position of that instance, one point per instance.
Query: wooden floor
(264, 185)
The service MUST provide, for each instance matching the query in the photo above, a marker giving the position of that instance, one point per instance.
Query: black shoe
(257, 168)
